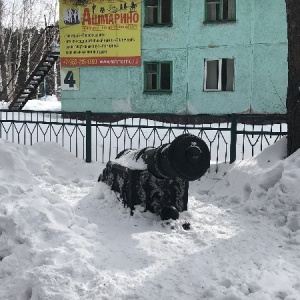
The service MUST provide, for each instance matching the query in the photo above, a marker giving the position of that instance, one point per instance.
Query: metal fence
(99, 137)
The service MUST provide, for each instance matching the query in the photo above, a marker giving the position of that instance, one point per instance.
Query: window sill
(157, 92)
(157, 25)
(219, 22)
(217, 91)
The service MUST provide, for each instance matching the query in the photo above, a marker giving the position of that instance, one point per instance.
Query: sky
(65, 236)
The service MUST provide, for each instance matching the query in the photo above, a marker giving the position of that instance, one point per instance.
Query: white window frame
(219, 76)
(219, 89)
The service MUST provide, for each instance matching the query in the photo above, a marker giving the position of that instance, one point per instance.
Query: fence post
(233, 138)
(88, 137)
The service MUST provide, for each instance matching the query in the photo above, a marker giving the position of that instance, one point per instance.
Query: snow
(63, 235)
(130, 159)
(3, 104)
(46, 103)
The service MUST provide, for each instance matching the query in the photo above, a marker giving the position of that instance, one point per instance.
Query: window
(219, 75)
(158, 12)
(220, 10)
(158, 76)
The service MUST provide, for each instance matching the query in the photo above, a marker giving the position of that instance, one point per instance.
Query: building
(197, 57)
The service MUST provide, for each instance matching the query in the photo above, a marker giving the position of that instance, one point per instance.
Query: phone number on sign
(79, 61)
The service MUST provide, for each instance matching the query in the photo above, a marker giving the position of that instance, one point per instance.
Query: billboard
(100, 33)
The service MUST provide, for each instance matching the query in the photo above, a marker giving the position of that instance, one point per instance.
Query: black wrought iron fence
(100, 137)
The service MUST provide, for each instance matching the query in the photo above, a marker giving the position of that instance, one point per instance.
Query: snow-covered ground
(64, 236)
(45, 103)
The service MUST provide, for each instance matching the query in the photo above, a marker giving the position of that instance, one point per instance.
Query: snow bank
(265, 185)
(63, 235)
(46, 103)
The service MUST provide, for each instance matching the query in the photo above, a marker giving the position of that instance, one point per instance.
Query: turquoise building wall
(257, 41)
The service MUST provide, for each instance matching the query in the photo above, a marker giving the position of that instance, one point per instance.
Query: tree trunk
(3, 71)
(293, 92)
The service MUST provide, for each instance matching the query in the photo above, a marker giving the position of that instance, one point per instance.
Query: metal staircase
(36, 77)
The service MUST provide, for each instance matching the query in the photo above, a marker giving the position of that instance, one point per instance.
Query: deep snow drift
(63, 235)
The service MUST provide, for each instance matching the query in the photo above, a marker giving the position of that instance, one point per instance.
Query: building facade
(197, 57)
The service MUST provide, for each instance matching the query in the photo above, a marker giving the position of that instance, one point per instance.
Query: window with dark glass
(219, 75)
(220, 10)
(158, 12)
(158, 76)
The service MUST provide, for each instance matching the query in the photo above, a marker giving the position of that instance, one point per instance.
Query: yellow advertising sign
(100, 33)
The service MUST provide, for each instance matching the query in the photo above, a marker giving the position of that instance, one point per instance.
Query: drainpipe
(252, 46)
(187, 58)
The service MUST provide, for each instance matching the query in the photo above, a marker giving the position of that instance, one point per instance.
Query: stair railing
(49, 34)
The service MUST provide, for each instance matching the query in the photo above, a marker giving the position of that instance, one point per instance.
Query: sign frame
(100, 33)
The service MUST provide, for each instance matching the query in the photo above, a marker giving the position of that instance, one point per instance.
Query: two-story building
(188, 57)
